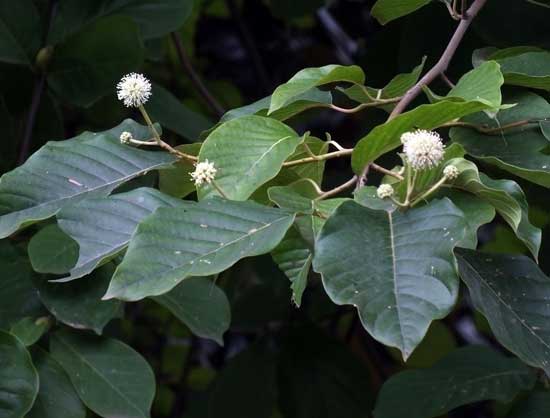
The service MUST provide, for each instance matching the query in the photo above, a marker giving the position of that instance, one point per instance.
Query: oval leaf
(397, 268)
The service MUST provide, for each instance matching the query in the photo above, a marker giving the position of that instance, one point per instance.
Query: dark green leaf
(520, 151)
(535, 406)
(56, 397)
(29, 330)
(396, 268)
(195, 240)
(387, 10)
(111, 378)
(52, 251)
(78, 304)
(172, 114)
(20, 30)
(18, 378)
(467, 375)
(201, 305)
(88, 65)
(512, 293)
(176, 180)
(63, 173)
(102, 227)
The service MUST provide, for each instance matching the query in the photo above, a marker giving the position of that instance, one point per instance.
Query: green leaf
(102, 227)
(20, 30)
(293, 256)
(467, 375)
(88, 65)
(387, 137)
(111, 378)
(309, 78)
(18, 378)
(505, 196)
(396, 268)
(310, 99)
(512, 293)
(63, 173)
(250, 372)
(520, 151)
(18, 297)
(320, 377)
(176, 180)
(297, 197)
(201, 305)
(194, 240)
(172, 114)
(56, 397)
(387, 10)
(52, 251)
(530, 69)
(535, 406)
(397, 87)
(90, 312)
(247, 152)
(313, 170)
(153, 20)
(29, 330)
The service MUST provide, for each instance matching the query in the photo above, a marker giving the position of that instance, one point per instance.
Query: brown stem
(385, 171)
(322, 157)
(358, 108)
(210, 100)
(443, 62)
(31, 118)
(348, 184)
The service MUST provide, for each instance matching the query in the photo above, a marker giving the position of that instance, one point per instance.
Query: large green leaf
(464, 101)
(154, 20)
(505, 196)
(535, 406)
(396, 268)
(530, 69)
(512, 293)
(293, 256)
(312, 98)
(63, 173)
(52, 251)
(465, 376)
(88, 65)
(173, 115)
(309, 78)
(20, 30)
(56, 397)
(387, 10)
(201, 305)
(194, 240)
(29, 330)
(18, 297)
(111, 378)
(247, 152)
(18, 378)
(520, 151)
(102, 227)
(90, 312)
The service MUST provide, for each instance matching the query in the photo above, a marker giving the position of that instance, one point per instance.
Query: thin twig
(447, 80)
(362, 179)
(443, 62)
(348, 184)
(488, 131)
(387, 172)
(358, 108)
(335, 154)
(210, 100)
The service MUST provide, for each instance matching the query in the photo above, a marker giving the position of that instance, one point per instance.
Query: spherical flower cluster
(451, 172)
(205, 172)
(423, 149)
(134, 90)
(384, 191)
(126, 137)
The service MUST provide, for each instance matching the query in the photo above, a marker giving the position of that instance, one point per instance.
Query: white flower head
(451, 172)
(205, 172)
(126, 137)
(134, 90)
(423, 149)
(384, 191)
